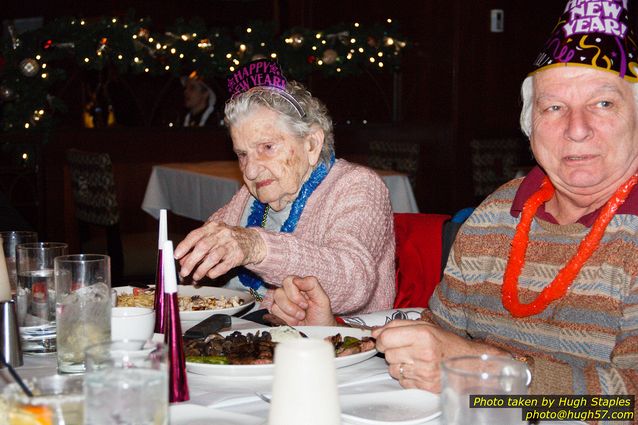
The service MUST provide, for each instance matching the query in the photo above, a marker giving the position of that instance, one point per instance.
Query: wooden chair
(133, 256)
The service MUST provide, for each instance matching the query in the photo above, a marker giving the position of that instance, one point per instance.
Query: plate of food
(250, 352)
(195, 304)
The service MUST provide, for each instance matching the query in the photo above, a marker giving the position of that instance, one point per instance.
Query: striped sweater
(584, 343)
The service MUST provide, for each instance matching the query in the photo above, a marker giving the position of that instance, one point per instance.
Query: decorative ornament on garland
(15, 41)
(29, 67)
(330, 56)
(296, 40)
(143, 33)
(6, 93)
(102, 45)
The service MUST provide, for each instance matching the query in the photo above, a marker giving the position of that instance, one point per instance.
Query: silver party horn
(9, 334)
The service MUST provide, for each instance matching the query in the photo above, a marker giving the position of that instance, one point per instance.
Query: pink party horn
(177, 382)
(158, 303)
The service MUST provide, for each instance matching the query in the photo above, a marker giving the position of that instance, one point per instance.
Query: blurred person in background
(199, 100)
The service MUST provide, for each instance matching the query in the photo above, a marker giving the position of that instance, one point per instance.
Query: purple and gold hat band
(592, 33)
(265, 74)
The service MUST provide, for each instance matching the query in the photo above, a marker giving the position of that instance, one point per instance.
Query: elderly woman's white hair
(527, 94)
(316, 112)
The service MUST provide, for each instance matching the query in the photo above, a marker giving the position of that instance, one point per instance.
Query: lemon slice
(31, 415)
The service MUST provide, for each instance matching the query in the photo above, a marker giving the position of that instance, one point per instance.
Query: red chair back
(418, 257)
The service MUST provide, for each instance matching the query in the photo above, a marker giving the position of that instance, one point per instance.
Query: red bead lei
(559, 286)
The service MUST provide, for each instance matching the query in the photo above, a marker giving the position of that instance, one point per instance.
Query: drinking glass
(481, 375)
(126, 382)
(83, 307)
(10, 240)
(304, 379)
(36, 294)
(57, 400)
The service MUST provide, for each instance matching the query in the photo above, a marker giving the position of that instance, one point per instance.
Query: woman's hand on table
(414, 350)
(301, 301)
(215, 248)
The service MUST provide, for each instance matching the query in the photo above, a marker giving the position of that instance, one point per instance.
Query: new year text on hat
(261, 73)
(593, 33)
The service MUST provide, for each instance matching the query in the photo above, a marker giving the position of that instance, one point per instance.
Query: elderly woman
(546, 269)
(300, 210)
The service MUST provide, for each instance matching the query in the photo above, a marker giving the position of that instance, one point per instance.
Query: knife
(210, 325)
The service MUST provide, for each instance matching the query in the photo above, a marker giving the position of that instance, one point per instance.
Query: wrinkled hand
(420, 347)
(216, 247)
(302, 302)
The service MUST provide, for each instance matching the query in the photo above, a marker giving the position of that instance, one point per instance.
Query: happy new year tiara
(262, 73)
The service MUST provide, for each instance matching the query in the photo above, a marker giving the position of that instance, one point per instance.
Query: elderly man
(546, 269)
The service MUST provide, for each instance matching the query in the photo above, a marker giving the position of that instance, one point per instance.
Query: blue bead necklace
(259, 213)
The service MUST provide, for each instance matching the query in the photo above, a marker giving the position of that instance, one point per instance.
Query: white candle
(170, 278)
(5, 287)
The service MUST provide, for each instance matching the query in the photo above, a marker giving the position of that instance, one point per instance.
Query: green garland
(32, 63)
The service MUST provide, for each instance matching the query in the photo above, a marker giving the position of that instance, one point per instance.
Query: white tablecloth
(196, 190)
(235, 396)
(233, 400)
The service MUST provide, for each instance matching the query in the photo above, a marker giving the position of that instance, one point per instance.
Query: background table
(197, 189)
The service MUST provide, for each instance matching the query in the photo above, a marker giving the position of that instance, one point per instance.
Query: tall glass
(83, 307)
(126, 382)
(481, 375)
(36, 294)
(10, 241)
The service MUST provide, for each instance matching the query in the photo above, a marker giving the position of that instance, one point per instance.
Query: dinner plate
(204, 291)
(319, 332)
(404, 407)
(193, 414)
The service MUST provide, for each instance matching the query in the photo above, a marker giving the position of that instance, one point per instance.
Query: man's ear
(314, 144)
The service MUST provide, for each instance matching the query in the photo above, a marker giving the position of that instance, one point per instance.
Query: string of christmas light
(33, 62)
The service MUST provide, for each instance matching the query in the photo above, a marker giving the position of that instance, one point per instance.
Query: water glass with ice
(35, 296)
(83, 307)
(10, 241)
(481, 375)
(57, 400)
(126, 383)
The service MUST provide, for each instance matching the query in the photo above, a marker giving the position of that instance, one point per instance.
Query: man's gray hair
(242, 104)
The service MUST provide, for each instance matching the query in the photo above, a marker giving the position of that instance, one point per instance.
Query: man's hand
(414, 350)
(302, 302)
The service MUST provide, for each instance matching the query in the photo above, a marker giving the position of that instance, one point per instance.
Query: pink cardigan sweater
(345, 237)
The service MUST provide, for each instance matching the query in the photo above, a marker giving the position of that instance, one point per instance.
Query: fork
(263, 396)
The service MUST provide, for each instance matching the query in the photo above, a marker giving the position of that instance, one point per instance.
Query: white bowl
(132, 323)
